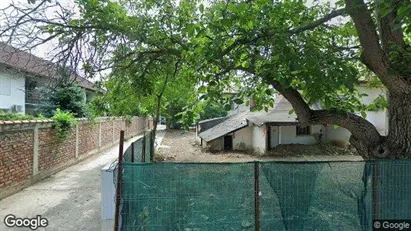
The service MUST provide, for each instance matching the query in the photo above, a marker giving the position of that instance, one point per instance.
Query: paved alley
(70, 199)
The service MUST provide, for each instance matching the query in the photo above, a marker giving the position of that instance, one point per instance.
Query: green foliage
(379, 103)
(67, 97)
(212, 110)
(41, 117)
(399, 58)
(98, 106)
(62, 123)
(132, 92)
(251, 45)
(15, 116)
(92, 114)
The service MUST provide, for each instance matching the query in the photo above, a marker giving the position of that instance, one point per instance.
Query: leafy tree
(212, 110)
(307, 53)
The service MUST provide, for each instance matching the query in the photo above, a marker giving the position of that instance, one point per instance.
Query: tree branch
(301, 108)
(364, 134)
(373, 56)
(390, 26)
(319, 21)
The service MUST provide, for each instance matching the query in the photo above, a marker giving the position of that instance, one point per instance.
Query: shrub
(67, 97)
(15, 116)
(63, 122)
(92, 115)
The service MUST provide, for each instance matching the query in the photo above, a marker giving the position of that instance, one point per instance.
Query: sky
(43, 50)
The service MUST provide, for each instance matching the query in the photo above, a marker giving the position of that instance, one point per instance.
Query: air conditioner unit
(16, 108)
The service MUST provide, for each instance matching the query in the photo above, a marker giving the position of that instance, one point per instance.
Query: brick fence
(30, 150)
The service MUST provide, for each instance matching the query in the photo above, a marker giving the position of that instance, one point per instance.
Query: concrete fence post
(77, 139)
(113, 131)
(36, 150)
(99, 133)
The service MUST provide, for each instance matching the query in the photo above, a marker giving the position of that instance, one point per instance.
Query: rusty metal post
(143, 151)
(152, 146)
(119, 179)
(257, 196)
(132, 152)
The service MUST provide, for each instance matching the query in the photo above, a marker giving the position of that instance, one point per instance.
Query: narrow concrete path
(161, 132)
(70, 199)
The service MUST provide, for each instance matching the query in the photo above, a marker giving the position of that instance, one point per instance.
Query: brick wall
(54, 152)
(137, 124)
(88, 137)
(30, 150)
(16, 157)
(106, 132)
(118, 126)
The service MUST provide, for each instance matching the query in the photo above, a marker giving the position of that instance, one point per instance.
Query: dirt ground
(180, 146)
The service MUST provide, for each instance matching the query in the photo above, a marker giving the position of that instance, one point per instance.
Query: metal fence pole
(151, 147)
(143, 151)
(257, 196)
(375, 186)
(119, 179)
(152, 140)
(132, 152)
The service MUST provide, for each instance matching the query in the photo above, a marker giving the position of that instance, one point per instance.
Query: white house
(12, 90)
(21, 74)
(262, 131)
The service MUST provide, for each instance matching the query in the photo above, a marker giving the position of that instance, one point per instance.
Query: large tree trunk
(154, 132)
(377, 41)
(399, 138)
(365, 137)
(398, 142)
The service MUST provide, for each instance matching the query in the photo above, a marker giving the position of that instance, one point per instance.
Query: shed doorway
(228, 143)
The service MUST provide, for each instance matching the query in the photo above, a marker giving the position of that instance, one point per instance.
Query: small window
(5, 86)
(303, 130)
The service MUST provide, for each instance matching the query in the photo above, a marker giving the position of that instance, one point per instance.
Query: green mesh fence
(187, 196)
(127, 155)
(141, 146)
(313, 196)
(392, 182)
(292, 195)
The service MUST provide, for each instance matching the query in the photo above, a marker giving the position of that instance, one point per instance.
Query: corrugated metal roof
(280, 114)
(209, 120)
(233, 123)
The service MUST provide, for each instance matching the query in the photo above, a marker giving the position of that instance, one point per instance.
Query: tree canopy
(308, 52)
